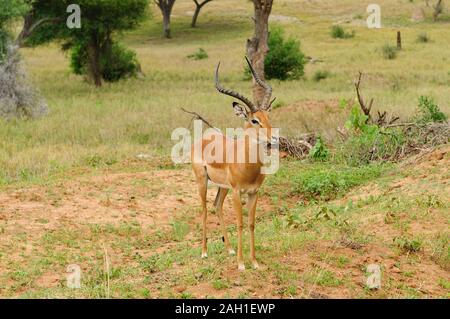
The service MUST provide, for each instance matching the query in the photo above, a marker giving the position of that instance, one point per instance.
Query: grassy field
(72, 190)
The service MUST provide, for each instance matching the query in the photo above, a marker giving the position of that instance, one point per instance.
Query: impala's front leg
(238, 210)
(252, 199)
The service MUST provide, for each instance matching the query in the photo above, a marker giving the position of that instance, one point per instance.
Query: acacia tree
(198, 7)
(166, 10)
(94, 52)
(257, 46)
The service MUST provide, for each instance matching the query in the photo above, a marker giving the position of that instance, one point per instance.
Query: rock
(373, 281)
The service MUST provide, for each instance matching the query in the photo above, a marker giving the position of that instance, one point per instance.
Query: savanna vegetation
(91, 182)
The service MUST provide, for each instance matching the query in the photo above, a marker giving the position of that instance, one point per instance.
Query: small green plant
(440, 249)
(423, 38)
(444, 283)
(323, 277)
(429, 111)
(338, 32)
(320, 75)
(284, 60)
(319, 152)
(200, 54)
(220, 284)
(389, 51)
(179, 230)
(408, 245)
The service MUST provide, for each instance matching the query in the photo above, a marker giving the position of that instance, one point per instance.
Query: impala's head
(256, 115)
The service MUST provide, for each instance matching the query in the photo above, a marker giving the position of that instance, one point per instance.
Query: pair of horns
(265, 104)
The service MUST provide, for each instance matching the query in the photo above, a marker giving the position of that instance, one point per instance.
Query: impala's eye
(256, 122)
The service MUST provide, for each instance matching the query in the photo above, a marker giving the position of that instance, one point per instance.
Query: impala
(239, 176)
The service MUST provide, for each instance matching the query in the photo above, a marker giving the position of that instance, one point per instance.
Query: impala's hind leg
(238, 210)
(202, 181)
(252, 199)
(221, 194)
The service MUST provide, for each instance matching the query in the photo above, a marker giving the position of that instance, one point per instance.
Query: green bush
(389, 52)
(330, 181)
(429, 111)
(367, 142)
(284, 60)
(338, 32)
(200, 54)
(319, 152)
(320, 75)
(116, 62)
(423, 38)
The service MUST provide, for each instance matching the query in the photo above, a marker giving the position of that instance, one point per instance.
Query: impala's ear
(240, 110)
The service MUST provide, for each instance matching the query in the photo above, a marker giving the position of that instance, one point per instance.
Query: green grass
(90, 127)
(324, 217)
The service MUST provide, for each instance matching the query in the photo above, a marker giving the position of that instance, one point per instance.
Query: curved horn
(231, 93)
(265, 102)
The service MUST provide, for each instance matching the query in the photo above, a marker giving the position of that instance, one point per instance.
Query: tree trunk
(257, 47)
(198, 7)
(166, 9)
(166, 24)
(94, 62)
(437, 10)
(195, 16)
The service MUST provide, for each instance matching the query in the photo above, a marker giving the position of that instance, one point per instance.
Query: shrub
(423, 38)
(429, 111)
(200, 54)
(116, 62)
(17, 97)
(320, 75)
(285, 59)
(367, 142)
(101, 21)
(327, 182)
(389, 51)
(338, 32)
(408, 245)
(319, 152)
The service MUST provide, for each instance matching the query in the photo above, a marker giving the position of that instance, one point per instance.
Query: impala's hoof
(231, 252)
(204, 255)
(255, 265)
(241, 267)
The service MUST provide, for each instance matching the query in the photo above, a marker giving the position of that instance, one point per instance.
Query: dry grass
(138, 115)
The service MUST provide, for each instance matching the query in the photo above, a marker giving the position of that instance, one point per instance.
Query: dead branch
(382, 117)
(199, 117)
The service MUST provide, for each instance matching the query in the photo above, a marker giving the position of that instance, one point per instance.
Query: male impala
(241, 176)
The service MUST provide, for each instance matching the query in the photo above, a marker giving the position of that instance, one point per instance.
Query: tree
(198, 7)
(9, 11)
(438, 9)
(166, 9)
(94, 52)
(257, 46)
(17, 97)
